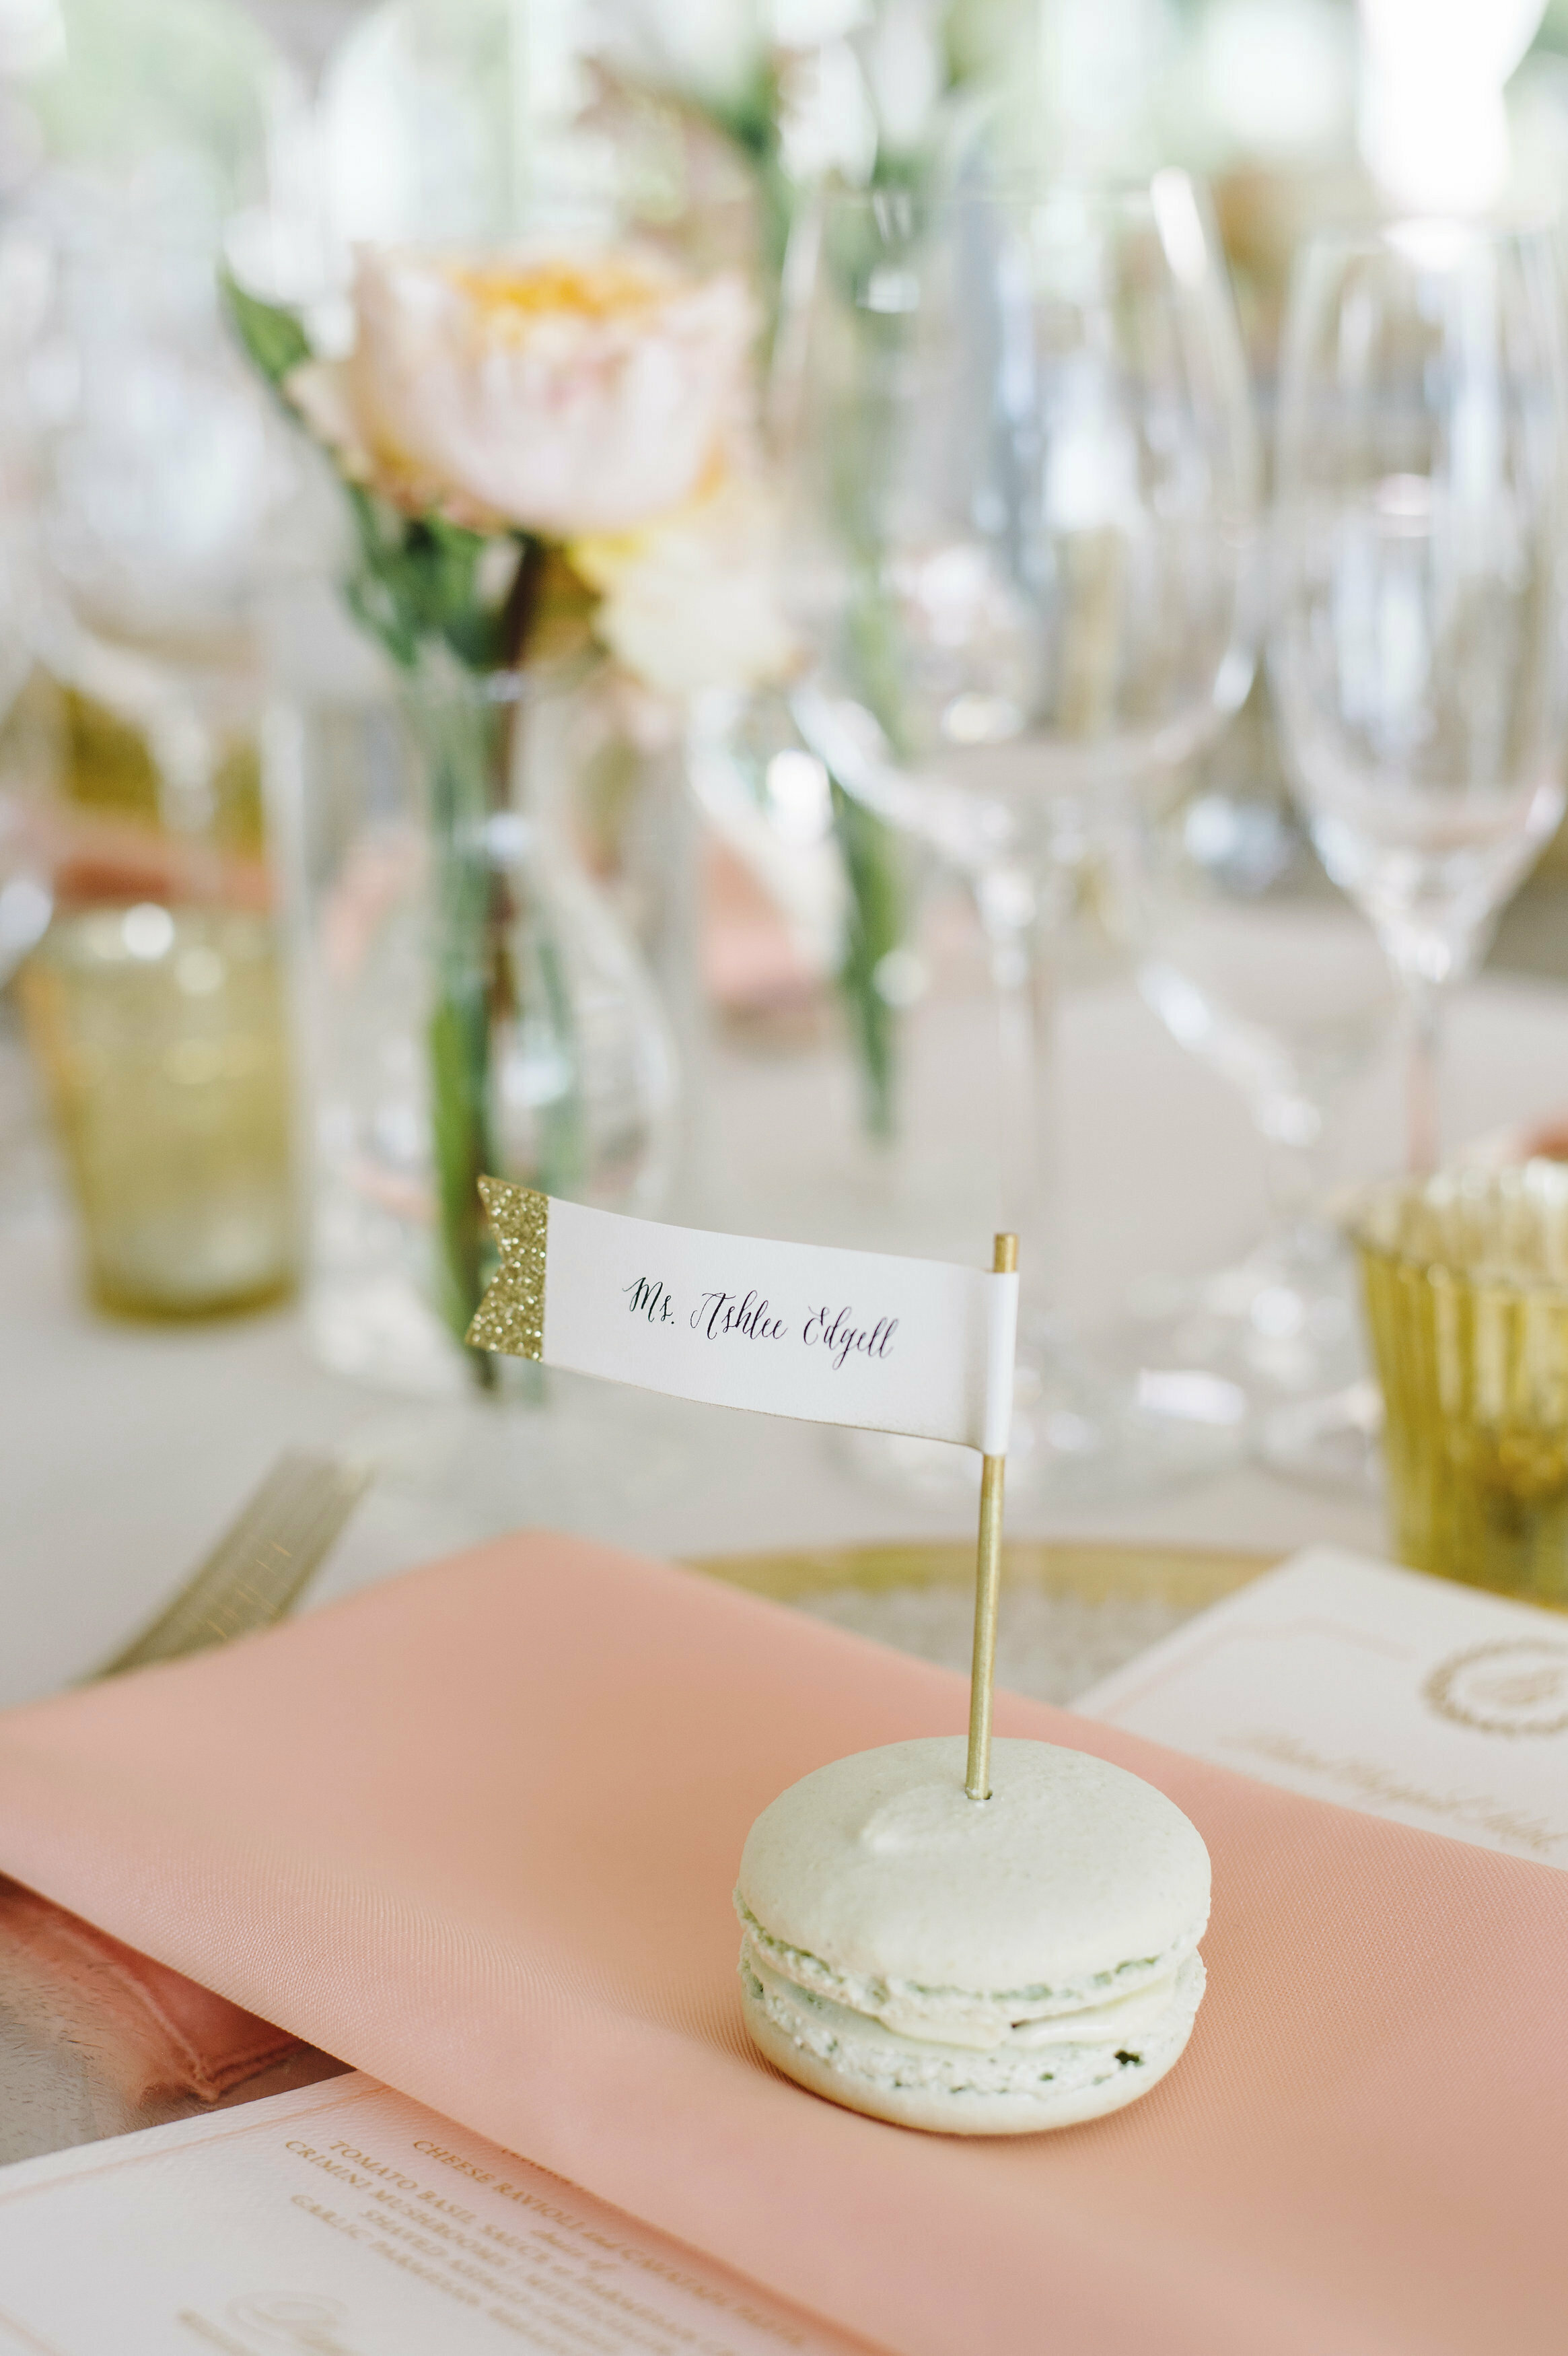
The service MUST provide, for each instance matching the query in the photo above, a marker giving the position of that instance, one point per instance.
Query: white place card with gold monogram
(1382, 1689)
(345, 2221)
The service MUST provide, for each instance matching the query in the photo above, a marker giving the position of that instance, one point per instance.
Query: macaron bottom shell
(785, 2033)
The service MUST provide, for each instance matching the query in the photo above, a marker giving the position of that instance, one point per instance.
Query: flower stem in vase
(466, 746)
(874, 926)
(873, 857)
(478, 744)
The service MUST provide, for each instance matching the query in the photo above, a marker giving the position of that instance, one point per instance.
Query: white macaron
(974, 1968)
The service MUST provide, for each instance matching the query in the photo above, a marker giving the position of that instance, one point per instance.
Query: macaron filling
(1065, 2056)
(960, 2016)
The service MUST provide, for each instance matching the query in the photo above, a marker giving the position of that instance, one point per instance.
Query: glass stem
(1424, 1009)
(1007, 900)
(1293, 1179)
(1299, 1247)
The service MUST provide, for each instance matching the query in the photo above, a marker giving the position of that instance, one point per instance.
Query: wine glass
(163, 491)
(159, 485)
(290, 246)
(1417, 648)
(1255, 966)
(1021, 484)
(25, 896)
(25, 899)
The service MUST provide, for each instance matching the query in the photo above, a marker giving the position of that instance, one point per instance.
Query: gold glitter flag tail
(510, 1318)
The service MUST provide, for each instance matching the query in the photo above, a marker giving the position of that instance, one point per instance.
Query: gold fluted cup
(1465, 1283)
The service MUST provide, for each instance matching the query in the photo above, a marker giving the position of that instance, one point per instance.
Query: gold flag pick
(511, 1318)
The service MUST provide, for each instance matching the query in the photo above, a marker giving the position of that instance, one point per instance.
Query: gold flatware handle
(260, 1566)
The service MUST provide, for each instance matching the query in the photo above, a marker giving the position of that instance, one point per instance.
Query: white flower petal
(691, 603)
(562, 394)
(319, 390)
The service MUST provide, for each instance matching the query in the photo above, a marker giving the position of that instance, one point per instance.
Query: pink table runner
(475, 1831)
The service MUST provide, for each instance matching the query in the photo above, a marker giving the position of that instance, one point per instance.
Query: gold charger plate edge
(1097, 1570)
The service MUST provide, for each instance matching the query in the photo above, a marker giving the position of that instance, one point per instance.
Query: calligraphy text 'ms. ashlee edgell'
(752, 1317)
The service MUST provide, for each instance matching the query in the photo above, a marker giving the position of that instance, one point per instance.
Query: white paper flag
(860, 1338)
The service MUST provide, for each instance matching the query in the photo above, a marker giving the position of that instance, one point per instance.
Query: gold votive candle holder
(161, 1036)
(1465, 1283)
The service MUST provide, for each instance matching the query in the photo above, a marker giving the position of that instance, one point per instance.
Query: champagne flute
(1021, 487)
(1417, 648)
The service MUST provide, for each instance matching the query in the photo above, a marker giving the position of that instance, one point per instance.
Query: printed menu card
(344, 2221)
(1382, 1689)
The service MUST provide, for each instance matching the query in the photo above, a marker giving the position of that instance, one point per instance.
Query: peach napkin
(475, 1831)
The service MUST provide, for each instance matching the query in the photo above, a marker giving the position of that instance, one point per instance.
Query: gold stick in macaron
(987, 1587)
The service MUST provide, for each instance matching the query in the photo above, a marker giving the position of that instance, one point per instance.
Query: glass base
(1082, 1436)
(488, 1464)
(1334, 1442)
(375, 1327)
(1283, 1327)
(1283, 1323)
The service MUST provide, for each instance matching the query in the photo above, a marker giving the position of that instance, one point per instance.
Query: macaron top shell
(1074, 1882)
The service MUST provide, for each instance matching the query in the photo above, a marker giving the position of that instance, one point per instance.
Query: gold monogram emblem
(1518, 1686)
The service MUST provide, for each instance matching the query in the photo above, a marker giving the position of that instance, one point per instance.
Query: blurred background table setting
(862, 623)
(837, 820)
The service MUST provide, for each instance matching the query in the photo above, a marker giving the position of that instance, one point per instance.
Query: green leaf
(273, 338)
(418, 580)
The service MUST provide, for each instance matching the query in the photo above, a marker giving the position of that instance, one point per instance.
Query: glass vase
(468, 1001)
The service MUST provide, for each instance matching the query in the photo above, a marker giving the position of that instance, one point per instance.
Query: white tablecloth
(124, 1448)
